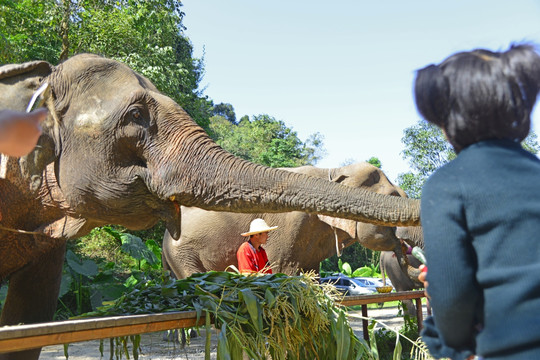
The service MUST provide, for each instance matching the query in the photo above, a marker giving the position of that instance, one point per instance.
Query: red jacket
(251, 260)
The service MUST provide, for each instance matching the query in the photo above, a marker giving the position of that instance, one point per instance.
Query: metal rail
(24, 337)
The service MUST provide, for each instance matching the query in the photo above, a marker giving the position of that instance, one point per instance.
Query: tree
(29, 30)
(375, 162)
(426, 149)
(146, 35)
(356, 255)
(265, 140)
(226, 111)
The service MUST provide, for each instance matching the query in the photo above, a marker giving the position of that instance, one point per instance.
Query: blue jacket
(481, 220)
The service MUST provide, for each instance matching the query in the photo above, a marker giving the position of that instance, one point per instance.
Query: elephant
(209, 239)
(114, 150)
(401, 279)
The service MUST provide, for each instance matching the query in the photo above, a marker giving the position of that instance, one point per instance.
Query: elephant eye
(136, 114)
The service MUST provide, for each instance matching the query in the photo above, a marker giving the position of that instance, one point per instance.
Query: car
(347, 285)
(372, 283)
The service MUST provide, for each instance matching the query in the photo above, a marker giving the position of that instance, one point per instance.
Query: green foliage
(412, 184)
(531, 143)
(391, 343)
(134, 246)
(369, 271)
(102, 244)
(345, 268)
(29, 30)
(146, 35)
(375, 162)
(355, 255)
(426, 149)
(154, 233)
(109, 263)
(286, 317)
(265, 140)
(85, 284)
(226, 111)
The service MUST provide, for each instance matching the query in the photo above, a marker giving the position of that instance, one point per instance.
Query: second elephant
(401, 279)
(209, 239)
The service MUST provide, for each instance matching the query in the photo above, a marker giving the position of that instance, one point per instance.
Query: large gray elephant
(209, 239)
(116, 151)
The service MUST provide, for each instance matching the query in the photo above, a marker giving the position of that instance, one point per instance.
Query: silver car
(371, 282)
(347, 285)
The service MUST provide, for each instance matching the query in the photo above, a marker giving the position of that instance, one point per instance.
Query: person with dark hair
(480, 212)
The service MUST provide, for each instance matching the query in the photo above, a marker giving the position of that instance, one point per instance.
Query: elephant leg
(32, 296)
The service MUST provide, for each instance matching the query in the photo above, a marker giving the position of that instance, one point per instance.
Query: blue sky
(343, 68)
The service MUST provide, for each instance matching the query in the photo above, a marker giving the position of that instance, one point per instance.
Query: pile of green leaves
(285, 317)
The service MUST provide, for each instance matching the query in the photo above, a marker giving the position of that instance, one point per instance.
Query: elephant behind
(209, 239)
(402, 279)
(114, 150)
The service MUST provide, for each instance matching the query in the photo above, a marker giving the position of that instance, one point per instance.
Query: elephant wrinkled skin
(114, 150)
(209, 239)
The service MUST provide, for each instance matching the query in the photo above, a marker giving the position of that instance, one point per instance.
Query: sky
(343, 68)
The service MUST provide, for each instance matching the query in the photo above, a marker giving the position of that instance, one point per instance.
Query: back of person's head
(480, 95)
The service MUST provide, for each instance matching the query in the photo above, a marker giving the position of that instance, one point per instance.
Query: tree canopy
(375, 162)
(426, 150)
(265, 140)
(147, 35)
(226, 111)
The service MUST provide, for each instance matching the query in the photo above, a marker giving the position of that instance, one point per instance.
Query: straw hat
(258, 226)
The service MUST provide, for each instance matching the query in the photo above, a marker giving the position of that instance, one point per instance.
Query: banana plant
(364, 271)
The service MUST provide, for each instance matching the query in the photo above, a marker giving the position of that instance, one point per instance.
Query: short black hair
(480, 94)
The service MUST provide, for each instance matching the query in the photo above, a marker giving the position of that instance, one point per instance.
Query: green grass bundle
(285, 317)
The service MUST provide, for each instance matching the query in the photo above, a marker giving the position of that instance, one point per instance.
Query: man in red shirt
(251, 256)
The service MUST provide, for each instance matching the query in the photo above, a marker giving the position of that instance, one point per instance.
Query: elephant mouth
(172, 218)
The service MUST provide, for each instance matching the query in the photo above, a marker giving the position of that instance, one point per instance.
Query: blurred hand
(422, 277)
(20, 131)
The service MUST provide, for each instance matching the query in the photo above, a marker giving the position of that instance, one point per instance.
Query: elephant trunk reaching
(214, 179)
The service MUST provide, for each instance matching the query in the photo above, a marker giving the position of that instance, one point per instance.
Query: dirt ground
(154, 347)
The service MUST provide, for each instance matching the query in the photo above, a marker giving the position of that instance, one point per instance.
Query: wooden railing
(24, 337)
(364, 300)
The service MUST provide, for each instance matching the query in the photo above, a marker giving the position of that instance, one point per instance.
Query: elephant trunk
(204, 175)
(413, 274)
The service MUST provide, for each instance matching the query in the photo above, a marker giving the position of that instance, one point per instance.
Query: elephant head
(361, 176)
(116, 150)
(413, 236)
(209, 239)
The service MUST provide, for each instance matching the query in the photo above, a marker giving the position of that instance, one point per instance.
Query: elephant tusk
(20, 231)
(338, 253)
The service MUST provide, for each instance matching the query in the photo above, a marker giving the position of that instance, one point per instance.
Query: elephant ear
(349, 226)
(18, 82)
